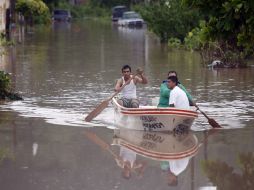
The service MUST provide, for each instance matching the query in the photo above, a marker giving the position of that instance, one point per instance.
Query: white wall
(4, 4)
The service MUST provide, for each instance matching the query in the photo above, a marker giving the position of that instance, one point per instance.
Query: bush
(174, 43)
(230, 23)
(169, 19)
(87, 10)
(33, 10)
(42, 19)
(4, 81)
(194, 40)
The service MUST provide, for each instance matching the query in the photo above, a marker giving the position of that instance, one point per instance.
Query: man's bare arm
(119, 83)
(141, 79)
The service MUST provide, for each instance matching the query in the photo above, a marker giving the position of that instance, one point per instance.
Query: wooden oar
(105, 103)
(211, 121)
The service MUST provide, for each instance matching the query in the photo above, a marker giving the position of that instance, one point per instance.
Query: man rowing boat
(128, 94)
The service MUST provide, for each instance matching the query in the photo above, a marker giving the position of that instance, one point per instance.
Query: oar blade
(94, 138)
(213, 123)
(97, 111)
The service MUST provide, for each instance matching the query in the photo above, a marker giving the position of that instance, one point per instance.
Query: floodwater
(64, 70)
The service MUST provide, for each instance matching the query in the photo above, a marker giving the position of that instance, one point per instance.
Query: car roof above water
(119, 7)
(130, 12)
(61, 11)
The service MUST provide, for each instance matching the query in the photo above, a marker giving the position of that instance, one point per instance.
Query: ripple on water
(59, 116)
(72, 113)
(232, 114)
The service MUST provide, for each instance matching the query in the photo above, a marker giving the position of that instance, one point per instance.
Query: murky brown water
(63, 71)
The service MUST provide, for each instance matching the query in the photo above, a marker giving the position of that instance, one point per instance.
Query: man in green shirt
(165, 92)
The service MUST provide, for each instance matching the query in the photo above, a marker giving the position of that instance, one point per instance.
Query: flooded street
(63, 71)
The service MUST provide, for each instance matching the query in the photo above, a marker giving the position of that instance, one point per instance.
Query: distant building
(4, 5)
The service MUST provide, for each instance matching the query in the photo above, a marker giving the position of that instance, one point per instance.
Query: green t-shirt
(165, 93)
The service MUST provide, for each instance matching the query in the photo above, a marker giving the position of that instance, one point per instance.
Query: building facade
(4, 6)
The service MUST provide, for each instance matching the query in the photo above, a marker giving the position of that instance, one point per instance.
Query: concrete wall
(4, 4)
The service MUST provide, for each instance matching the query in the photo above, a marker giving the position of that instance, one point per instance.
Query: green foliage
(229, 22)
(53, 3)
(195, 39)
(4, 41)
(35, 9)
(174, 43)
(4, 81)
(81, 11)
(169, 18)
(109, 3)
(5, 154)
(89, 11)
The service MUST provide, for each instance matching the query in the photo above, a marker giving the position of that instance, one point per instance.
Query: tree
(169, 19)
(111, 3)
(230, 23)
(54, 3)
(31, 9)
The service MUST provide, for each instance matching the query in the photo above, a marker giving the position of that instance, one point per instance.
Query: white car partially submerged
(131, 19)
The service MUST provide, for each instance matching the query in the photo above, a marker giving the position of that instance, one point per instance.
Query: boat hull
(151, 118)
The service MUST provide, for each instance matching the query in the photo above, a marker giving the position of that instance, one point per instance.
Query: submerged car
(61, 15)
(131, 19)
(117, 12)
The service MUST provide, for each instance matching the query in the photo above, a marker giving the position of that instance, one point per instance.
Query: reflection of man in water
(127, 161)
(174, 168)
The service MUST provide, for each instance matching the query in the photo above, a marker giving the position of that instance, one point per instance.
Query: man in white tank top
(128, 93)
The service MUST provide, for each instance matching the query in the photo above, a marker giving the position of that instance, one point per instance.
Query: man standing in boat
(178, 97)
(128, 93)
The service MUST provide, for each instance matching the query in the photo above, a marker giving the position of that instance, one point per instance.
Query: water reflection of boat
(157, 145)
(169, 150)
(151, 118)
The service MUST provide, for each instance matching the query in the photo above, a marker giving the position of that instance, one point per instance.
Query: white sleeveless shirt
(127, 155)
(129, 91)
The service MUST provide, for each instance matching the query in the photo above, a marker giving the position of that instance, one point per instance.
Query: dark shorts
(130, 103)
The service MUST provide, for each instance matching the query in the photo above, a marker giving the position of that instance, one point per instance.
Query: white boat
(157, 145)
(152, 118)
